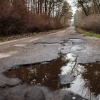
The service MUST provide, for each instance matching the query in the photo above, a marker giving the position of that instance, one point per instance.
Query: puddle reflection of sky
(80, 85)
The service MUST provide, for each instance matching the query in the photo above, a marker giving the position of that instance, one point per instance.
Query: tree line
(89, 6)
(87, 16)
(18, 16)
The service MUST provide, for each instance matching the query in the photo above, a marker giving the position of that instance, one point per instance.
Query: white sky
(72, 4)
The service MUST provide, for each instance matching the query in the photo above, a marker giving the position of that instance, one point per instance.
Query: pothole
(92, 77)
(61, 74)
(87, 83)
(45, 74)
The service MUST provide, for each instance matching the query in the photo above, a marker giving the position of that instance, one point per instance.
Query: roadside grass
(81, 31)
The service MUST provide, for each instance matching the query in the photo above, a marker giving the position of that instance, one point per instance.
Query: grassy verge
(87, 33)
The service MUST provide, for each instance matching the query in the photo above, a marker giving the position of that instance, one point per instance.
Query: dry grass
(16, 19)
(39, 23)
(91, 23)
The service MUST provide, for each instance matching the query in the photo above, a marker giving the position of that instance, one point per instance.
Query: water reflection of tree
(83, 88)
(89, 77)
(92, 77)
(76, 68)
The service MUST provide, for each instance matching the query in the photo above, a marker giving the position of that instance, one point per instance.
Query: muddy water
(87, 82)
(92, 77)
(87, 76)
(46, 74)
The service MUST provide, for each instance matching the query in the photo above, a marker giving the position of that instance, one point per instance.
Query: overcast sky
(72, 4)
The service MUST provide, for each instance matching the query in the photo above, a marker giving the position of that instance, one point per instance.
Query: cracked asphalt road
(47, 47)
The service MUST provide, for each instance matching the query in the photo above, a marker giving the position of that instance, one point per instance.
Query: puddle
(87, 83)
(92, 77)
(82, 79)
(46, 74)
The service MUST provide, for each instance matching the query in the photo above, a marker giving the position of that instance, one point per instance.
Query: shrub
(16, 17)
(38, 23)
(91, 23)
(11, 25)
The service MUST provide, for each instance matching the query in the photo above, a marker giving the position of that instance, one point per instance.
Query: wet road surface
(63, 65)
